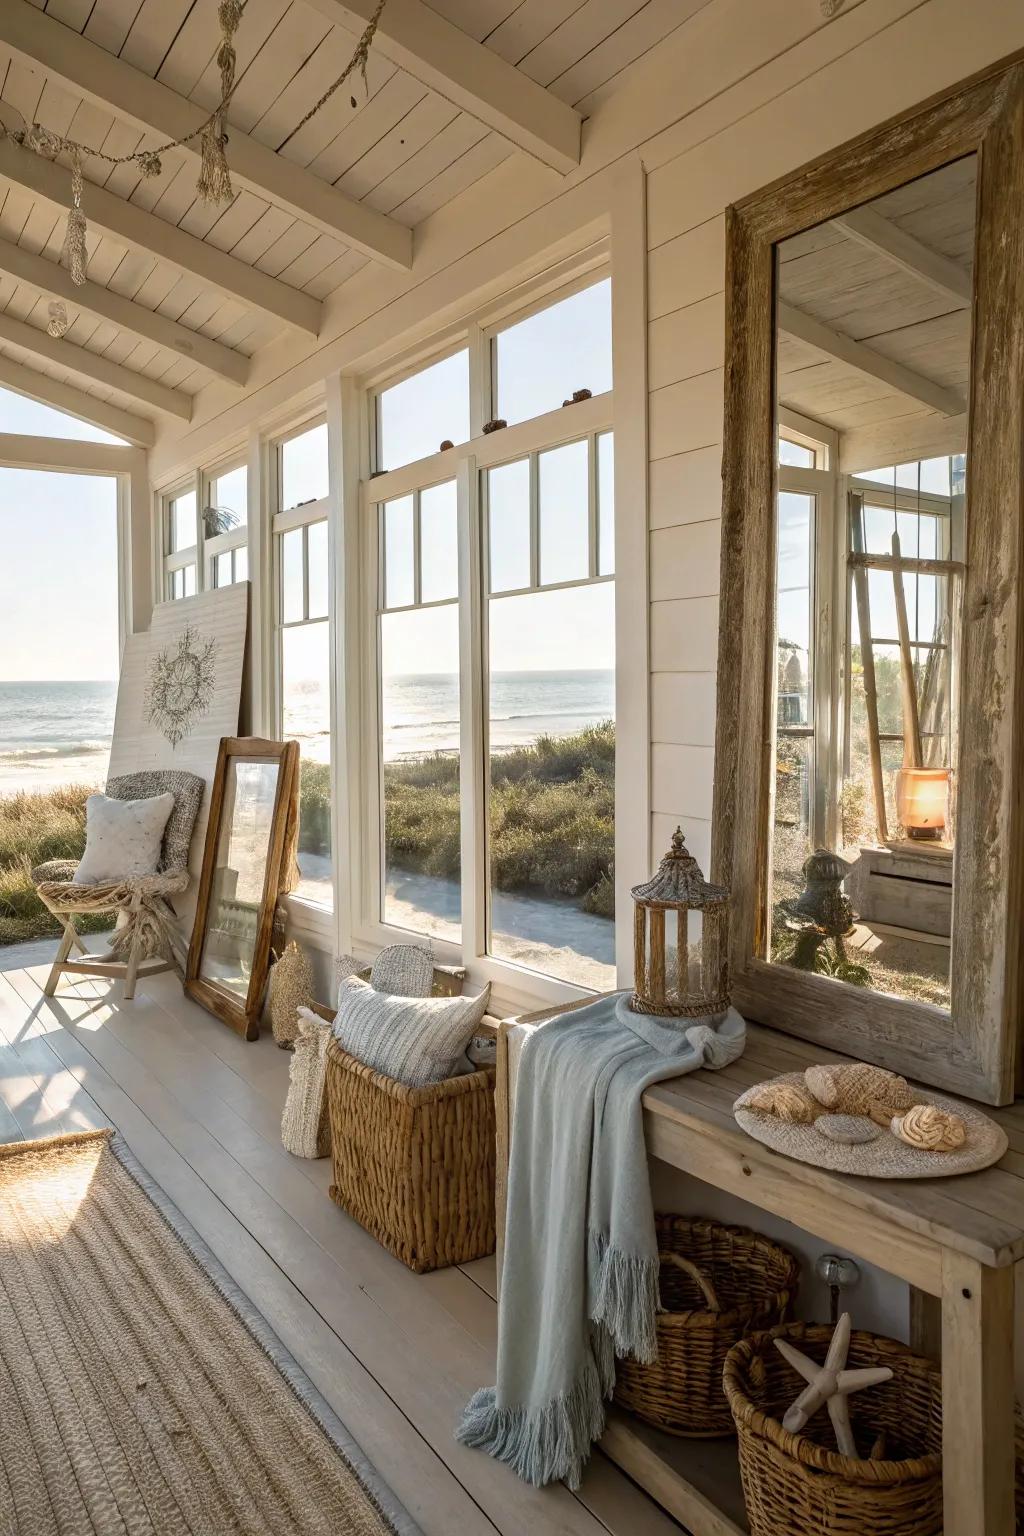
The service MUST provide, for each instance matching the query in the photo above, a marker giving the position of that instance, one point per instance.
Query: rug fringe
(45, 1144)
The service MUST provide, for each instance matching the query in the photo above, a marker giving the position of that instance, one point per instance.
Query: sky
(58, 575)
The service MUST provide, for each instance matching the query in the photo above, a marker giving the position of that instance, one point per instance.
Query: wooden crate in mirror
(249, 849)
(868, 807)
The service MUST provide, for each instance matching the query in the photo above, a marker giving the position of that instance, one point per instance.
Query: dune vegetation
(35, 827)
(552, 826)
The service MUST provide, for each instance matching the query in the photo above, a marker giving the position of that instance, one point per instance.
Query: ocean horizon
(59, 732)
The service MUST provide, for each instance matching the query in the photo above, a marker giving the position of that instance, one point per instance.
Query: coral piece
(848, 1130)
(930, 1128)
(786, 1101)
(860, 1089)
(829, 1385)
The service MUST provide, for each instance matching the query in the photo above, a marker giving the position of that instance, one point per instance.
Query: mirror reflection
(243, 848)
(873, 331)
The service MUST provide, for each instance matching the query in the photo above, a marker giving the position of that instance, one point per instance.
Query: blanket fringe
(543, 1445)
(627, 1299)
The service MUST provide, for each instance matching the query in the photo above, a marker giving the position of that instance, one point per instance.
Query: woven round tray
(884, 1158)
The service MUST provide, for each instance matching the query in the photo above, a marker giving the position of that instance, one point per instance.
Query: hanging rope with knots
(214, 181)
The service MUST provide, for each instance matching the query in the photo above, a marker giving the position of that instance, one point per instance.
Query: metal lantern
(697, 985)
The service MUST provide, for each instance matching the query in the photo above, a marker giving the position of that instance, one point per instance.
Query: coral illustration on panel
(181, 683)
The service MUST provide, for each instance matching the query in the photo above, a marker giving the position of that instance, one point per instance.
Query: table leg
(977, 1398)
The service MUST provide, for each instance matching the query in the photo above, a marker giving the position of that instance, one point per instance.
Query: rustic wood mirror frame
(973, 1048)
(244, 1017)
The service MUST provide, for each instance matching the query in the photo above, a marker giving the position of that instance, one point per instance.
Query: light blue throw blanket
(580, 1277)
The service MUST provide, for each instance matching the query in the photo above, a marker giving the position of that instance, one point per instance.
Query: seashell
(930, 1128)
(857, 1088)
(786, 1101)
(848, 1130)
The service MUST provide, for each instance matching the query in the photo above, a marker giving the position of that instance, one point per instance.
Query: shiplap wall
(743, 92)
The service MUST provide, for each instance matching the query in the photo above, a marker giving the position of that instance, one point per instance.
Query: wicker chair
(142, 943)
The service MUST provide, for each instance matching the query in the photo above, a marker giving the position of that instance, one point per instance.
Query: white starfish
(829, 1384)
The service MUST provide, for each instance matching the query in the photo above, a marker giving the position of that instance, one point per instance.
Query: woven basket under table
(414, 1166)
(717, 1284)
(799, 1484)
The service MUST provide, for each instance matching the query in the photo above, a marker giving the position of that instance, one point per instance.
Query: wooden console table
(954, 1241)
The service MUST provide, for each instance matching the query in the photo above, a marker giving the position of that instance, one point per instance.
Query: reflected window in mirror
(873, 340)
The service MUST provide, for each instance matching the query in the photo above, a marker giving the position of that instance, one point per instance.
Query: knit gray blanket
(580, 1278)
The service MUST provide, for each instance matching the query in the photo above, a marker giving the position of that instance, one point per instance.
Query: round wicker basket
(717, 1284)
(798, 1484)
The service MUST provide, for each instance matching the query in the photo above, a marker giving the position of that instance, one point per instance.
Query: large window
(181, 543)
(419, 711)
(225, 519)
(551, 713)
(302, 571)
(494, 644)
(205, 531)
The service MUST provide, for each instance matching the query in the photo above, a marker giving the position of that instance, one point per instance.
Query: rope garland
(214, 181)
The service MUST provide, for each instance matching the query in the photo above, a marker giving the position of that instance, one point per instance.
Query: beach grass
(552, 817)
(35, 827)
(552, 826)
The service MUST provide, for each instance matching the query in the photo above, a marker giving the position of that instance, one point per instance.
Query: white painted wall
(745, 91)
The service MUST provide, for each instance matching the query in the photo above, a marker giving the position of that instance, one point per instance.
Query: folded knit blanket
(580, 1277)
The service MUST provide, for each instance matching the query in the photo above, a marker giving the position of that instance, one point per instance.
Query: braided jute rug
(140, 1391)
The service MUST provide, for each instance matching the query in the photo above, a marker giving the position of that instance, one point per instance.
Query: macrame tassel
(214, 184)
(74, 255)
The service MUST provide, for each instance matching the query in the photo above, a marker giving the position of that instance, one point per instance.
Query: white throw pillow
(416, 1040)
(123, 838)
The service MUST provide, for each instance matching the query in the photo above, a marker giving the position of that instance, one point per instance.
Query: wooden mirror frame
(973, 1047)
(245, 1017)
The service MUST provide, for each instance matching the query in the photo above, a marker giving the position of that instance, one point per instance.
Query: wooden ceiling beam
(804, 327)
(146, 232)
(100, 77)
(95, 367)
(75, 402)
(905, 251)
(469, 75)
(48, 277)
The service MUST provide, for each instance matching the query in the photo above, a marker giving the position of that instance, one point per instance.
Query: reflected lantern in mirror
(922, 801)
(680, 951)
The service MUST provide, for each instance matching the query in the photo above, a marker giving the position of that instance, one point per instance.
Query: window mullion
(592, 511)
(417, 574)
(480, 379)
(534, 520)
(472, 715)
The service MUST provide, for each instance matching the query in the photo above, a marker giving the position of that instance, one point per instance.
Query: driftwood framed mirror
(249, 850)
(868, 790)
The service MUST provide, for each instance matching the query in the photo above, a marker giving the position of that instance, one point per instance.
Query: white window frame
(221, 543)
(465, 463)
(312, 916)
(179, 560)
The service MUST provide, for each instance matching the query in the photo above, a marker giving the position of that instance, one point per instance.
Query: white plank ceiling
(398, 147)
(861, 294)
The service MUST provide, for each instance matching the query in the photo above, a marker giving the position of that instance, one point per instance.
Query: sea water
(55, 733)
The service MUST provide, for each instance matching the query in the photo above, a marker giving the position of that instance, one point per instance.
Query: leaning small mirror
(873, 344)
(249, 849)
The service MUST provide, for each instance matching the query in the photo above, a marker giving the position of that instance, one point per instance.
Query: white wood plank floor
(396, 1354)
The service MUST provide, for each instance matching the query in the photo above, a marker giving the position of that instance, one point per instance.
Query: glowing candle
(922, 796)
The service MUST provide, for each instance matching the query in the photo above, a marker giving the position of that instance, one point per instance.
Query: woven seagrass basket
(717, 1284)
(799, 1484)
(414, 1166)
